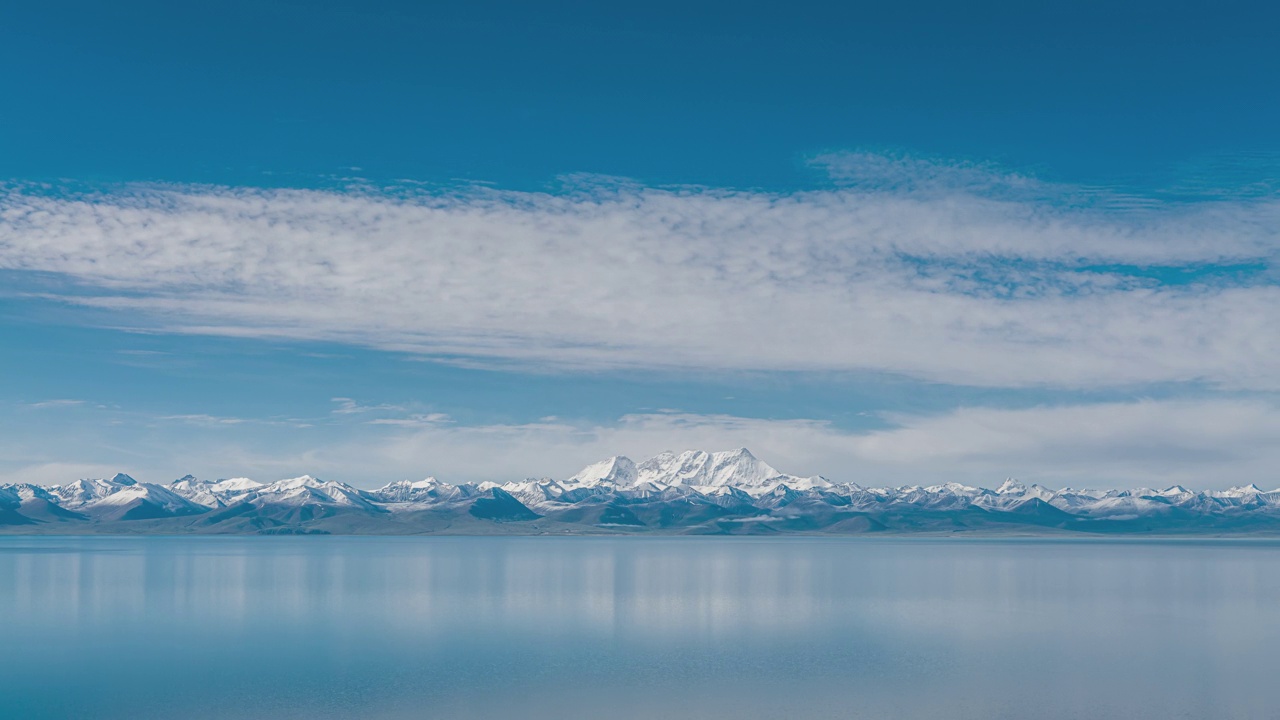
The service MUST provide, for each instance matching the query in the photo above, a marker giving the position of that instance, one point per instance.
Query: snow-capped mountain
(687, 492)
(213, 494)
(428, 491)
(737, 469)
(123, 498)
(694, 469)
(85, 492)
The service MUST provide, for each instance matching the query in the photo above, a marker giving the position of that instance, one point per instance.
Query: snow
(1011, 487)
(236, 484)
(730, 476)
(617, 471)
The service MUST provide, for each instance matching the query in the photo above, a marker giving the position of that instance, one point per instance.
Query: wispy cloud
(387, 414)
(347, 406)
(55, 404)
(202, 419)
(206, 420)
(1206, 443)
(954, 275)
(1203, 442)
(54, 473)
(416, 420)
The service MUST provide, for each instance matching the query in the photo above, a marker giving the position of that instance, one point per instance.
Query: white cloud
(202, 419)
(413, 420)
(1206, 443)
(54, 473)
(55, 404)
(948, 281)
(347, 406)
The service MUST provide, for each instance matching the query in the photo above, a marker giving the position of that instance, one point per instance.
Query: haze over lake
(334, 627)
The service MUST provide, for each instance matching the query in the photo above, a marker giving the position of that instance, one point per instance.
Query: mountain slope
(730, 492)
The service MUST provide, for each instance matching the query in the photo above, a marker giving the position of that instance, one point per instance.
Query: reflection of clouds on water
(635, 589)
(721, 627)
(627, 588)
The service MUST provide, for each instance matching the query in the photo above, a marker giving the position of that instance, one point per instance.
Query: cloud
(55, 404)
(347, 406)
(211, 421)
(414, 420)
(1205, 443)
(390, 414)
(1201, 443)
(949, 275)
(202, 419)
(54, 473)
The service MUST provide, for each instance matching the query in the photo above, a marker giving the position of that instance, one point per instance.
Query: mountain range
(692, 492)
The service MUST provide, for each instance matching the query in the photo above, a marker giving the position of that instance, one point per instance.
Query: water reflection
(637, 587)
(694, 627)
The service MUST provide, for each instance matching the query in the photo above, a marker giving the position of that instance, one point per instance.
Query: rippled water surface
(328, 627)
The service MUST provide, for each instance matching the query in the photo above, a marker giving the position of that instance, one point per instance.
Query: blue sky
(889, 243)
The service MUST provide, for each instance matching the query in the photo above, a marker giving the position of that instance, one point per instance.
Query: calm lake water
(328, 627)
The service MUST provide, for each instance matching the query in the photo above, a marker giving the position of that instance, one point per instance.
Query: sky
(889, 243)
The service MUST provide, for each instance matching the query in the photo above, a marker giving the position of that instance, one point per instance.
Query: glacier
(692, 492)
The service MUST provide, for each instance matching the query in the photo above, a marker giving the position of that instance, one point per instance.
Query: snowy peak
(292, 491)
(415, 491)
(146, 492)
(696, 468)
(212, 493)
(89, 490)
(9, 496)
(1243, 490)
(617, 471)
(308, 490)
(693, 469)
(690, 491)
(1011, 487)
(953, 488)
(237, 485)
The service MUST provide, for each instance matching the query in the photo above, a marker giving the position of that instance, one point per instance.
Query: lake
(637, 627)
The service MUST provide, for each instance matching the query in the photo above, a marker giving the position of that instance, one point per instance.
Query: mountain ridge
(691, 492)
